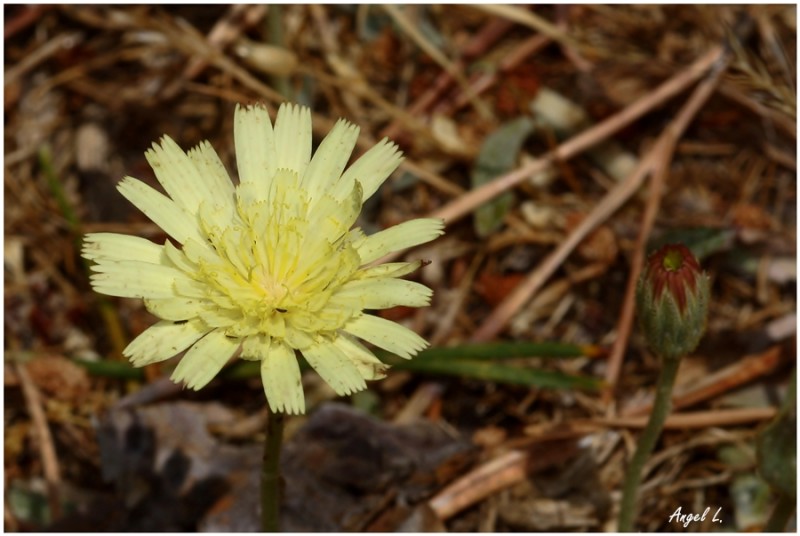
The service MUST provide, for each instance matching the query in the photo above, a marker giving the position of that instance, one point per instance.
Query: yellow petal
(117, 247)
(371, 170)
(212, 172)
(369, 366)
(193, 288)
(329, 160)
(255, 146)
(162, 210)
(163, 340)
(389, 269)
(205, 359)
(280, 374)
(178, 175)
(200, 251)
(335, 368)
(405, 235)
(179, 259)
(176, 309)
(217, 317)
(386, 334)
(382, 294)
(293, 138)
(297, 339)
(255, 347)
(333, 218)
(134, 279)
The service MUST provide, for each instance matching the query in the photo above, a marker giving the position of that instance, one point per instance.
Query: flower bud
(672, 297)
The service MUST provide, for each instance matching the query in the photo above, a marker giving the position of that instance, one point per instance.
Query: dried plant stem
(453, 69)
(526, 18)
(47, 451)
(741, 371)
(504, 471)
(270, 474)
(484, 39)
(690, 419)
(480, 83)
(647, 442)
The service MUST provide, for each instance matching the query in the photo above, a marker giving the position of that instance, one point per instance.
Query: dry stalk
(484, 39)
(500, 473)
(485, 81)
(526, 18)
(445, 324)
(47, 450)
(451, 68)
(695, 419)
(739, 373)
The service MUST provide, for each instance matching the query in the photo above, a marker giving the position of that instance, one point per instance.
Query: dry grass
(87, 89)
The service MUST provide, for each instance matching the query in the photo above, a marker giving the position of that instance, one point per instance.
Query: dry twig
(451, 68)
(696, 419)
(47, 450)
(500, 473)
(490, 33)
(737, 374)
(485, 81)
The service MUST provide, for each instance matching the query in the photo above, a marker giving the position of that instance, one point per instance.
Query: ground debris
(89, 88)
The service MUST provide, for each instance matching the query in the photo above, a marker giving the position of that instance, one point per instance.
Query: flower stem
(270, 474)
(647, 441)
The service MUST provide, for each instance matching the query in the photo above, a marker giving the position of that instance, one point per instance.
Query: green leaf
(509, 350)
(497, 372)
(477, 361)
(702, 241)
(497, 156)
(777, 446)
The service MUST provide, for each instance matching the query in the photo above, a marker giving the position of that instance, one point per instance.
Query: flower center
(275, 263)
(673, 260)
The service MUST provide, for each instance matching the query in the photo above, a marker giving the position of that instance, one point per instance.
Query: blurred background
(534, 391)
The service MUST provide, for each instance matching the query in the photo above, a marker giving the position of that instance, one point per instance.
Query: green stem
(647, 442)
(781, 514)
(270, 474)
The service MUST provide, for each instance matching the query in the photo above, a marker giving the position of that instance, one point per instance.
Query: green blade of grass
(496, 372)
(119, 370)
(506, 350)
(476, 361)
(68, 212)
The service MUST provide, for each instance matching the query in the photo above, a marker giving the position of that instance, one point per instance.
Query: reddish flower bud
(672, 298)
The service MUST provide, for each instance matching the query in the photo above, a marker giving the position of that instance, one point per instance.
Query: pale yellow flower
(270, 266)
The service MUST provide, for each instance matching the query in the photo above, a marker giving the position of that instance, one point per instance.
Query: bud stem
(270, 474)
(647, 441)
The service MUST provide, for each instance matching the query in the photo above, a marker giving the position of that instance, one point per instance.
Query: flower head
(672, 298)
(269, 266)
